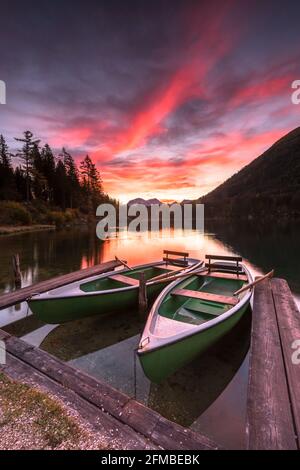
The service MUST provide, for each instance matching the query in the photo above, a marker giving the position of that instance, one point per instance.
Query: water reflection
(82, 337)
(104, 347)
(194, 388)
(266, 247)
(207, 393)
(47, 254)
(19, 327)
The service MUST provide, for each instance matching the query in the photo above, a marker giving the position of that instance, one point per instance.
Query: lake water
(209, 395)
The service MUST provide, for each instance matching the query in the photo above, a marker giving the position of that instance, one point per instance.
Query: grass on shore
(29, 419)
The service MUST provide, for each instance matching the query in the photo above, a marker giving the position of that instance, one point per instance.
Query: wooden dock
(273, 405)
(124, 420)
(273, 409)
(20, 295)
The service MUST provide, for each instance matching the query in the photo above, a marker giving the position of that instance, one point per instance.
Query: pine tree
(92, 183)
(72, 173)
(5, 156)
(60, 185)
(96, 182)
(20, 181)
(85, 170)
(39, 181)
(25, 154)
(48, 165)
(7, 183)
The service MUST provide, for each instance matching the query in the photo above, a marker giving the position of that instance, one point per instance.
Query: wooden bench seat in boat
(176, 261)
(125, 279)
(221, 299)
(239, 277)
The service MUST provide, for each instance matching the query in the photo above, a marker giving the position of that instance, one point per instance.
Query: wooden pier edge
(25, 360)
(20, 295)
(273, 407)
(273, 411)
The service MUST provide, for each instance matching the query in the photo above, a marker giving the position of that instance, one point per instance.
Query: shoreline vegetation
(19, 215)
(40, 187)
(14, 229)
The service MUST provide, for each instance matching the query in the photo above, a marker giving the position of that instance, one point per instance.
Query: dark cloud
(152, 81)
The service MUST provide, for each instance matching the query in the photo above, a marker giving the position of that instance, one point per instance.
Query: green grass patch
(48, 418)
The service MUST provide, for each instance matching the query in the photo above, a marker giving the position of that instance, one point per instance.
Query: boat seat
(202, 310)
(125, 279)
(236, 277)
(221, 299)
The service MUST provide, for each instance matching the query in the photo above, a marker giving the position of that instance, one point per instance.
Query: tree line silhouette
(39, 175)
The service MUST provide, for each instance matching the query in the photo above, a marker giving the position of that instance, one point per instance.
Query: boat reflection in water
(80, 338)
(209, 394)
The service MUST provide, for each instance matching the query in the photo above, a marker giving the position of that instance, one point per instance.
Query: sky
(169, 98)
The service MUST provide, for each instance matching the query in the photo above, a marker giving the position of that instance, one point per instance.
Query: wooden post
(17, 272)
(143, 302)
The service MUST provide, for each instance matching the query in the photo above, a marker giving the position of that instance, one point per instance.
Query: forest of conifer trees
(35, 177)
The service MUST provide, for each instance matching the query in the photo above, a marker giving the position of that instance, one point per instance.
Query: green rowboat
(113, 291)
(190, 315)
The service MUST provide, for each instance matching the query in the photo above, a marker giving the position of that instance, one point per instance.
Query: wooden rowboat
(113, 291)
(191, 314)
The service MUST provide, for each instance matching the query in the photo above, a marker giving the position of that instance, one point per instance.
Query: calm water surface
(209, 395)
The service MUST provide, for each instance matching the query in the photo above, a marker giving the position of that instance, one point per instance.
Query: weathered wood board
(288, 320)
(20, 295)
(269, 414)
(157, 431)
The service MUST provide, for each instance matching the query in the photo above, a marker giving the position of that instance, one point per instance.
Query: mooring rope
(134, 371)
(27, 312)
(27, 299)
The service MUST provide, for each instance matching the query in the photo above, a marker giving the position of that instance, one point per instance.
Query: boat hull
(64, 309)
(161, 362)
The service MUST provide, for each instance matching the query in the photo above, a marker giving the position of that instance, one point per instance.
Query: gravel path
(32, 419)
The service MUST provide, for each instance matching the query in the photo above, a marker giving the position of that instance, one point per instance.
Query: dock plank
(269, 415)
(97, 392)
(20, 295)
(137, 417)
(171, 436)
(288, 319)
(119, 435)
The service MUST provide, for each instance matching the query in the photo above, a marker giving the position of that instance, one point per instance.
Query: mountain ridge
(268, 186)
(145, 202)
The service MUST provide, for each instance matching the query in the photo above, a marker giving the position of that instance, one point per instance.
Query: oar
(163, 275)
(248, 286)
(123, 262)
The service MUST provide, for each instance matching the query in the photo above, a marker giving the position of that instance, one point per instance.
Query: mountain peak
(145, 202)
